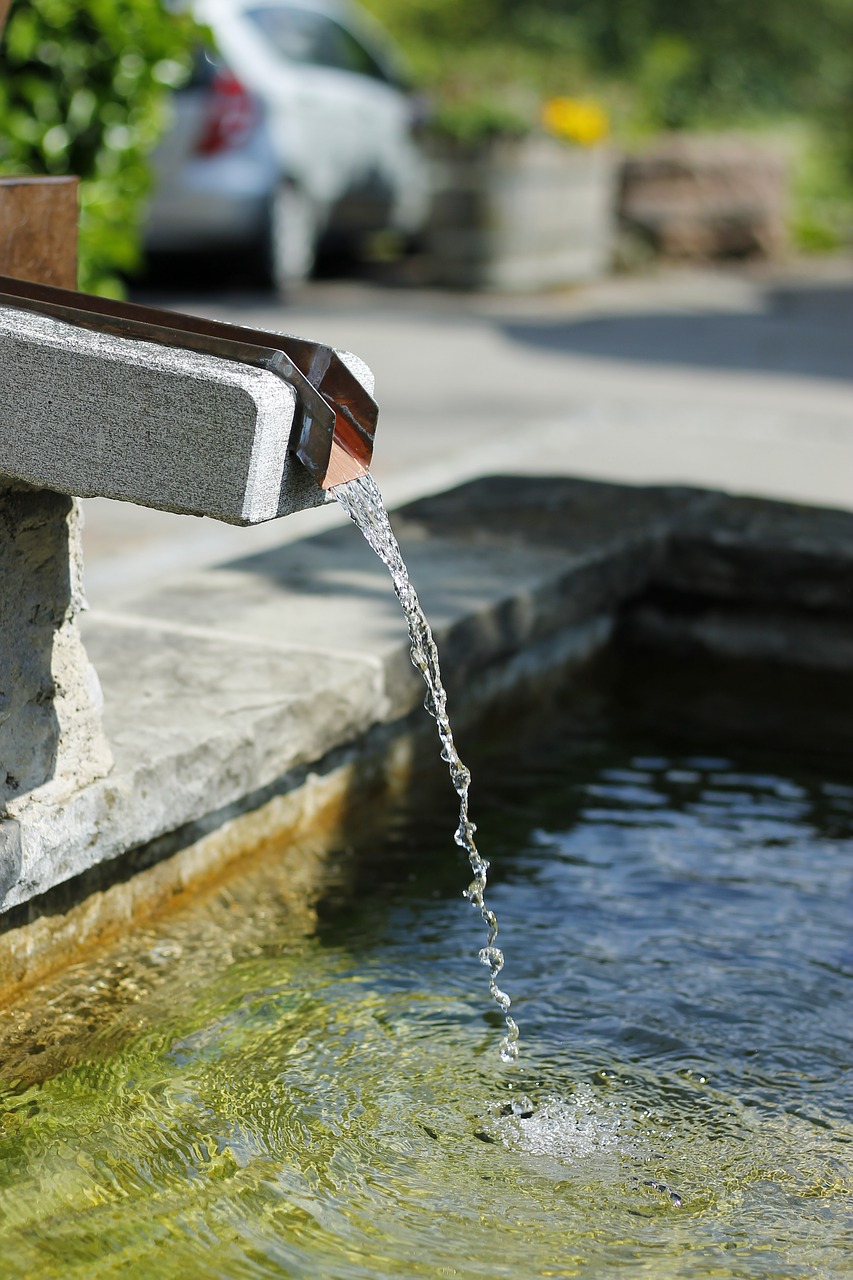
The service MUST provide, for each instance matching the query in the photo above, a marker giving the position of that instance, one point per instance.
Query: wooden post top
(38, 229)
(38, 223)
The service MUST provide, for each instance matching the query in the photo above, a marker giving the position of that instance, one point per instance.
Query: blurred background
(285, 128)
(605, 237)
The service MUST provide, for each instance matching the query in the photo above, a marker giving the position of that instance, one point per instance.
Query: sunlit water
(362, 501)
(260, 1088)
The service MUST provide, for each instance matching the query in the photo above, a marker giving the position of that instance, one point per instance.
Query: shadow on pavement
(804, 331)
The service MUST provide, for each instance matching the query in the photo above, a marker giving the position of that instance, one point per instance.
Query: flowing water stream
(362, 501)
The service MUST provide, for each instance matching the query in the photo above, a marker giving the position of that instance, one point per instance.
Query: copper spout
(334, 438)
(343, 465)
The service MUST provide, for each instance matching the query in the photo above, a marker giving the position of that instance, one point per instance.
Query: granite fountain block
(95, 413)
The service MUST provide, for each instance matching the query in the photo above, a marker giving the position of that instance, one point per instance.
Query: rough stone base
(51, 739)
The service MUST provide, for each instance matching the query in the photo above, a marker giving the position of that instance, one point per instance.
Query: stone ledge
(226, 688)
(771, 554)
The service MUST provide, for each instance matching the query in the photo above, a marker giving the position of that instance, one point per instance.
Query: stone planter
(519, 214)
(706, 197)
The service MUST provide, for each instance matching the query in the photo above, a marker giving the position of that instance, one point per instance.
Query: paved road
(725, 379)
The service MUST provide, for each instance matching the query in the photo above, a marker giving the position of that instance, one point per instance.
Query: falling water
(362, 501)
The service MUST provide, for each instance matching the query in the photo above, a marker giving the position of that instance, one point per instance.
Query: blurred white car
(300, 128)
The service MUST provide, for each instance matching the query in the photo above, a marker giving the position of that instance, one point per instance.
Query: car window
(204, 69)
(315, 40)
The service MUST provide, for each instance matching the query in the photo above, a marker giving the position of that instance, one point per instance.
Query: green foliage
(822, 218)
(686, 63)
(658, 64)
(478, 117)
(488, 65)
(84, 87)
(697, 63)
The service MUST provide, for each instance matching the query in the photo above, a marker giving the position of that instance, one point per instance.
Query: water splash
(567, 1129)
(362, 501)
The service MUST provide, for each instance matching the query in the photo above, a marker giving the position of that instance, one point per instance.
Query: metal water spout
(99, 397)
(172, 411)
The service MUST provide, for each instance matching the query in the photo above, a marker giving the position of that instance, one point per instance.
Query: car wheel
(290, 250)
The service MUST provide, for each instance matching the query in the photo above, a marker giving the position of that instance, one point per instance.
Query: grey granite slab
(90, 413)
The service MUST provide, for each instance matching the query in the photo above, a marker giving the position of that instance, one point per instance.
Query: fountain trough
(258, 702)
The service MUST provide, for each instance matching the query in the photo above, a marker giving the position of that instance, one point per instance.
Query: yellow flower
(577, 120)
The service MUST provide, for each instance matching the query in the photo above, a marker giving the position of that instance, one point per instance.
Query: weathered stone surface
(707, 197)
(790, 639)
(50, 700)
(553, 511)
(498, 564)
(10, 855)
(224, 688)
(195, 723)
(89, 414)
(330, 594)
(520, 214)
(772, 554)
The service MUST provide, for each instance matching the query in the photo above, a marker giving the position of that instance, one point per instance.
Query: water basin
(283, 1083)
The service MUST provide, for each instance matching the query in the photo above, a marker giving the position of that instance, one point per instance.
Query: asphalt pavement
(731, 379)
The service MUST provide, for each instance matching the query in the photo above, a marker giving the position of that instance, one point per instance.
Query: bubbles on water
(565, 1129)
(521, 1106)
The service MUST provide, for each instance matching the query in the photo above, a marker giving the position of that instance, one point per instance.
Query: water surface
(268, 1087)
